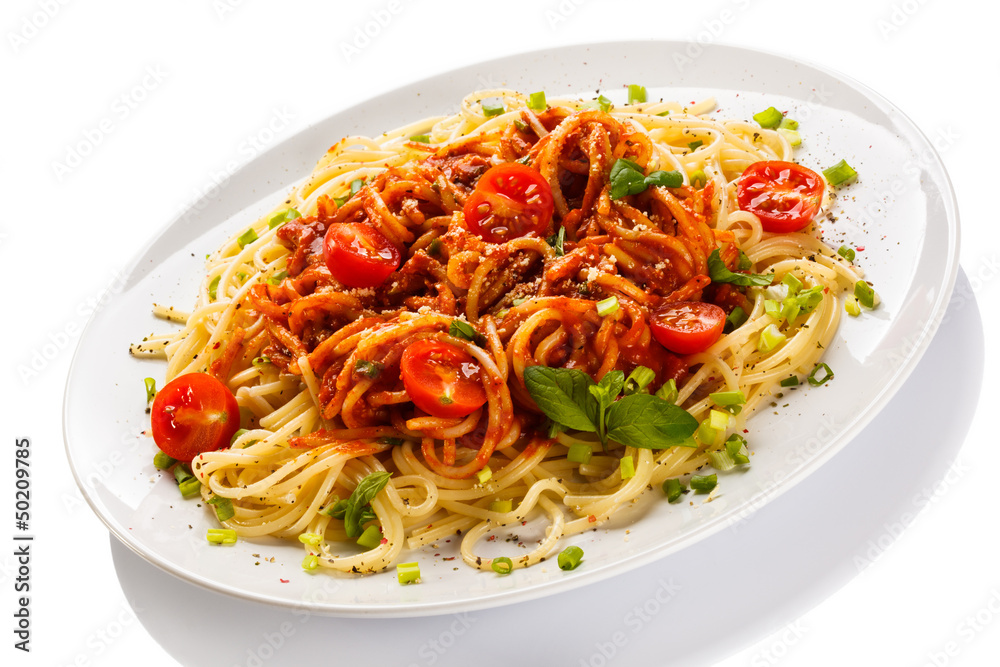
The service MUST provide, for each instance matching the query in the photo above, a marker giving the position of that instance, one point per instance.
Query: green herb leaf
(357, 510)
(369, 369)
(462, 329)
(667, 179)
(718, 272)
(557, 240)
(626, 179)
(563, 394)
(648, 422)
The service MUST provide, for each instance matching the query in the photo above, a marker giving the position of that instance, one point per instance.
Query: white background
(201, 81)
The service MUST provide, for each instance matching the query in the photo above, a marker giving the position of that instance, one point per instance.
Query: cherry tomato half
(441, 379)
(193, 413)
(359, 255)
(784, 195)
(511, 200)
(686, 327)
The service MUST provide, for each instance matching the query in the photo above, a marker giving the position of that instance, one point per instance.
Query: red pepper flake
(592, 519)
(746, 430)
(216, 346)
(491, 538)
(385, 540)
(524, 523)
(860, 248)
(448, 558)
(284, 581)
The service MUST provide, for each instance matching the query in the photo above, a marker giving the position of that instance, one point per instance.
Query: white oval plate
(902, 211)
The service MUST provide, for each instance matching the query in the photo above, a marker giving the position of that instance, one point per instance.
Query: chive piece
(310, 539)
(865, 294)
(668, 392)
(570, 557)
(368, 369)
(706, 434)
(604, 103)
(236, 436)
(736, 447)
(434, 248)
(277, 278)
(793, 283)
(260, 361)
(770, 338)
(695, 144)
(718, 420)
(421, 138)
(190, 487)
(356, 185)
(502, 565)
(579, 452)
(674, 489)
(735, 319)
(557, 241)
(163, 461)
(846, 252)
(608, 306)
(283, 217)
(213, 287)
(721, 460)
(638, 380)
(221, 536)
(817, 381)
(664, 113)
(851, 306)
(408, 573)
(150, 389)
(246, 238)
(768, 118)
(791, 381)
(704, 483)
(395, 442)
(371, 538)
(484, 475)
(310, 562)
(491, 109)
(840, 173)
(793, 137)
(501, 506)
(223, 508)
(636, 94)
(788, 124)
(462, 329)
(182, 473)
(536, 101)
(523, 127)
(627, 467)
(699, 180)
(772, 308)
(725, 398)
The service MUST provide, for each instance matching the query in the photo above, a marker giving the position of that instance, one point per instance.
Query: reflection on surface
(800, 548)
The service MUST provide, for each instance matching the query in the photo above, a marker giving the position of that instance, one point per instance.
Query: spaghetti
(315, 363)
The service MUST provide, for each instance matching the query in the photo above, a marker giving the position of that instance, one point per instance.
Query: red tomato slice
(193, 413)
(686, 327)
(359, 255)
(441, 379)
(511, 200)
(784, 195)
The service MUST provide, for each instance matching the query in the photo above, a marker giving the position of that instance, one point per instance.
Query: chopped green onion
(277, 278)
(223, 508)
(846, 252)
(371, 538)
(190, 487)
(768, 118)
(518, 302)
(695, 144)
(668, 392)
(788, 124)
(718, 420)
(310, 539)
(236, 436)
(462, 329)
(699, 180)
(221, 536)
(579, 452)
(421, 138)
(247, 237)
(736, 447)
(735, 319)
(182, 473)
(721, 460)
(501, 506)
(770, 338)
(704, 483)
(706, 434)
(638, 380)
(772, 308)
(407, 573)
(491, 109)
(865, 294)
(260, 361)
(664, 113)
(502, 565)
(523, 127)
(636, 94)
(150, 389)
(725, 398)
(310, 562)
(163, 461)
(356, 185)
(536, 101)
(608, 306)
(213, 287)
(791, 381)
(242, 276)
(851, 306)
(484, 475)
(793, 137)
(368, 369)
(793, 283)
(283, 217)
(674, 489)
(604, 103)
(840, 173)
(826, 377)
(434, 248)
(570, 557)
(395, 442)
(627, 467)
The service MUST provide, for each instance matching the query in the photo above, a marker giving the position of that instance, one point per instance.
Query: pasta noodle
(287, 338)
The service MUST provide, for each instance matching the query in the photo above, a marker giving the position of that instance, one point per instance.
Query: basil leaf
(626, 179)
(718, 272)
(648, 422)
(667, 179)
(461, 329)
(611, 385)
(557, 240)
(357, 511)
(563, 395)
